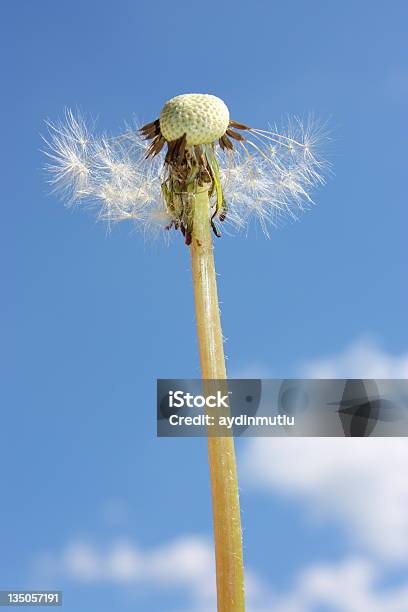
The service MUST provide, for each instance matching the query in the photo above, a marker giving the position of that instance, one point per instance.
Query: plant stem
(221, 453)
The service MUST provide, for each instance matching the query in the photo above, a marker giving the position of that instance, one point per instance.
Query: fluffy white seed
(271, 176)
(202, 117)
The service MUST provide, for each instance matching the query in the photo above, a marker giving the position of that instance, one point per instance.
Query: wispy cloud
(185, 564)
(362, 359)
(348, 586)
(358, 481)
(351, 585)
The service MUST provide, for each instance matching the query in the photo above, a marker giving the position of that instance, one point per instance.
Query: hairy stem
(221, 453)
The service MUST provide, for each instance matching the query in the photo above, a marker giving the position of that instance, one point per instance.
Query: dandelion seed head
(202, 117)
(253, 174)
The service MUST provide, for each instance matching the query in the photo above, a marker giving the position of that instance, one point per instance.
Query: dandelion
(152, 174)
(193, 169)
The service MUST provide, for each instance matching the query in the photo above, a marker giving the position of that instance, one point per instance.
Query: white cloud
(187, 563)
(348, 586)
(363, 359)
(362, 482)
(252, 370)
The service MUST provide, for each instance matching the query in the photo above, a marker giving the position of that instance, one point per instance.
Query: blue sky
(89, 321)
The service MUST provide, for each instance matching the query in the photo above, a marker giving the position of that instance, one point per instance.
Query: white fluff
(269, 176)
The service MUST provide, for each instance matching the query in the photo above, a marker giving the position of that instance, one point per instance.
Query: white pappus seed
(269, 175)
